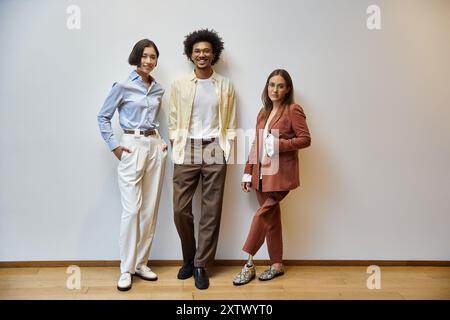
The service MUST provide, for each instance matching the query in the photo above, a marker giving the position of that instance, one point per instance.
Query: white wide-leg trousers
(141, 175)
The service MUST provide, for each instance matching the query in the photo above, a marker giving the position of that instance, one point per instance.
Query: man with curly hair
(202, 126)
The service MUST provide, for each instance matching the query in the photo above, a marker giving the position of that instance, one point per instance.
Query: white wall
(375, 182)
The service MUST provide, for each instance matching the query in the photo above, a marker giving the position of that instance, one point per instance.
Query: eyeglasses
(277, 86)
(204, 51)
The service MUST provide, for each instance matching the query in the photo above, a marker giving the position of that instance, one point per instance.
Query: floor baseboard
(325, 263)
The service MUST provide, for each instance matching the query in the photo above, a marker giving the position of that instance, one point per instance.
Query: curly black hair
(206, 35)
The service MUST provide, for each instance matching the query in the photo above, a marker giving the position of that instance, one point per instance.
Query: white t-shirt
(204, 118)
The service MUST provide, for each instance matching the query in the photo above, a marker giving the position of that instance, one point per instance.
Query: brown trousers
(185, 180)
(266, 224)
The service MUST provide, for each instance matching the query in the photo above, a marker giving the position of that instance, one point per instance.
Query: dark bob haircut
(136, 54)
(206, 35)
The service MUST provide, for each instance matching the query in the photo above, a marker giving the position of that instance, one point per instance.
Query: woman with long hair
(272, 170)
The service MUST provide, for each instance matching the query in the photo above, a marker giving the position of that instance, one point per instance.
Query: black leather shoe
(201, 278)
(186, 271)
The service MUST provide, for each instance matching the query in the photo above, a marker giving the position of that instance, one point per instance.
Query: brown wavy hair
(288, 98)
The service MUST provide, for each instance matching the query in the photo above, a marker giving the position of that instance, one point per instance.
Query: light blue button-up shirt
(138, 107)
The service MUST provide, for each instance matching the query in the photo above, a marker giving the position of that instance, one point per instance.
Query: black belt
(146, 133)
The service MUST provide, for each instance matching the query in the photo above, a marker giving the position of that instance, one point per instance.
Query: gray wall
(375, 182)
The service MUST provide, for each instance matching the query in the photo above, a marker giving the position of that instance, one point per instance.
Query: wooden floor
(299, 282)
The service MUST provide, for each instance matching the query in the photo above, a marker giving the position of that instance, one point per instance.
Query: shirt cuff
(247, 177)
(112, 144)
(269, 144)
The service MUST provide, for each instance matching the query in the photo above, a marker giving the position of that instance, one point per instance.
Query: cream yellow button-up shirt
(182, 96)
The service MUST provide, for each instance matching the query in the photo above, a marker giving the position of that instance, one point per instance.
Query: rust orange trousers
(266, 225)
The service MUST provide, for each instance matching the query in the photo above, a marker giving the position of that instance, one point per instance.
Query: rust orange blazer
(280, 172)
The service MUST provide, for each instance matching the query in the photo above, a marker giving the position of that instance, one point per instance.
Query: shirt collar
(134, 75)
(194, 78)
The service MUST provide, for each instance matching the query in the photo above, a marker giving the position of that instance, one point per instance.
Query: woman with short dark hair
(142, 154)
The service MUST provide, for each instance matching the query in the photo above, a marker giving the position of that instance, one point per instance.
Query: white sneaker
(124, 283)
(146, 273)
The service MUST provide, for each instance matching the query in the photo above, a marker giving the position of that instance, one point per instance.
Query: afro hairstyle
(206, 35)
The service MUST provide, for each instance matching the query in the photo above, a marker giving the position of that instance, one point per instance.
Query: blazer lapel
(276, 118)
